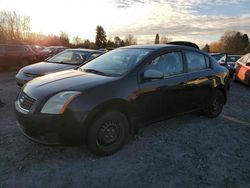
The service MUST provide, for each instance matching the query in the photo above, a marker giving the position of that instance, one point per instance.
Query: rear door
(200, 78)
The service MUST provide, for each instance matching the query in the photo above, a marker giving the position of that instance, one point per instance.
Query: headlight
(59, 102)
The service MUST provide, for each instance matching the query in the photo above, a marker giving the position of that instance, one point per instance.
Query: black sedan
(103, 101)
(68, 59)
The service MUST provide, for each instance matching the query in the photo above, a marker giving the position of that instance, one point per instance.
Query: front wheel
(108, 133)
(215, 105)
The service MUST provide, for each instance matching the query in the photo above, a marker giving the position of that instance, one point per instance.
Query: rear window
(245, 59)
(232, 58)
(195, 61)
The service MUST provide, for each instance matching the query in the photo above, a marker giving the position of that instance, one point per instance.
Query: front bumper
(67, 128)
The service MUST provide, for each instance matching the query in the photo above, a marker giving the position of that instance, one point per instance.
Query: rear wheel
(215, 105)
(108, 133)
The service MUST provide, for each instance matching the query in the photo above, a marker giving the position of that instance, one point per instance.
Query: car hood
(70, 80)
(44, 68)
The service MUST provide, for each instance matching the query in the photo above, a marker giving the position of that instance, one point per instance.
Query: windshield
(218, 56)
(69, 57)
(116, 62)
(232, 58)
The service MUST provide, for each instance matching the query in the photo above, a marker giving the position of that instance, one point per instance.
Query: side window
(195, 61)
(169, 63)
(245, 58)
(208, 65)
(94, 55)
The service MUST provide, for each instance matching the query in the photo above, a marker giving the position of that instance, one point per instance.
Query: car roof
(84, 50)
(161, 46)
(184, 43)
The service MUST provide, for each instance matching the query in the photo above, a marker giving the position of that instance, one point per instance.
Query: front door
(159, 98)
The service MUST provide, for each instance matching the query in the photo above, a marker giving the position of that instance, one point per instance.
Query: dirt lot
(188, 151)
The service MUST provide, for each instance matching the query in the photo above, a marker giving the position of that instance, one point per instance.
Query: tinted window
(231, 58)
(69, 57)
(94, 56)
(169, 63)
(116, 62)
(195, 61)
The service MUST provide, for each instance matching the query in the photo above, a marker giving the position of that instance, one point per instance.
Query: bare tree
(76, 40)
(165, 40)
(64, 38)
(130, 40)
(14, 27)
(234, 42)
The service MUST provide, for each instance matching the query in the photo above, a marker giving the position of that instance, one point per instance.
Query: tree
(122, 43)
(130, 40)
(165, 40)
(13, 27)
(117, 41)
(110, 44)
(215, 47)
(157, 39)
(64, 38)
(100, 39)
(234, 42)
(76, 40)
(206, 48)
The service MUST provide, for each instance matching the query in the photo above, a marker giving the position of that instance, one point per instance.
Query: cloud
(179, 19)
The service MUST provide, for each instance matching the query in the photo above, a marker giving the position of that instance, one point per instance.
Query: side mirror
(152, 74)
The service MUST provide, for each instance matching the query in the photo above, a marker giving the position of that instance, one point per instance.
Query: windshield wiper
(96, 72)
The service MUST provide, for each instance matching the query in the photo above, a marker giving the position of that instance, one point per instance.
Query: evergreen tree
(100, 39)
(157, 39)
(206, 48)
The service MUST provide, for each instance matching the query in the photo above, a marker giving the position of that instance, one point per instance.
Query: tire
(234, 77)
(215, 105)
(108, 133)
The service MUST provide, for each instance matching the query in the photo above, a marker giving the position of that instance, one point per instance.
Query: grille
(25, 101)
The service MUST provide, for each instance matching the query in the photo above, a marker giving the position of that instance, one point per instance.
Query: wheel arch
(120, 105)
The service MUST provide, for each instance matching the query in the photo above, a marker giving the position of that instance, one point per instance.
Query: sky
(199, 21)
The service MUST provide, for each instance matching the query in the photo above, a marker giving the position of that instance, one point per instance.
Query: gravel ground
(187, 151)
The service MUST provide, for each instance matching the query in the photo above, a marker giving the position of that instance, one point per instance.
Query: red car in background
(16, 55)
(242, 69)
